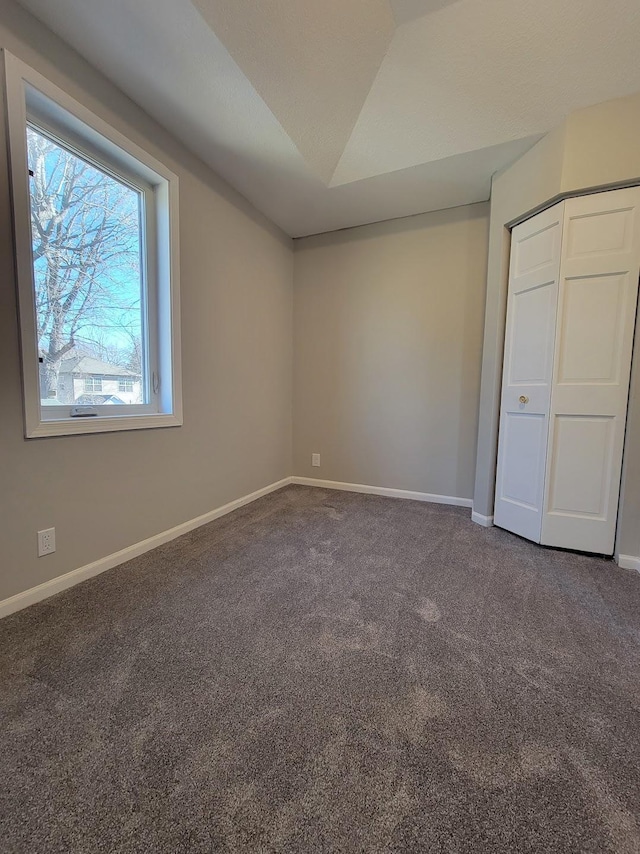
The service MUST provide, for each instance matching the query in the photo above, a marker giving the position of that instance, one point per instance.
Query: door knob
(523, 398)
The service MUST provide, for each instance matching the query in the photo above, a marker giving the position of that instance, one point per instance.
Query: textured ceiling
(312, 63)
(328, 115)
(481, 73)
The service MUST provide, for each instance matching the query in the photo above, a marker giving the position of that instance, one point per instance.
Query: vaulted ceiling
(335, 113)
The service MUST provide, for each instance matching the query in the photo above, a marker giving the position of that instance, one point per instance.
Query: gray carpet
(327, 672)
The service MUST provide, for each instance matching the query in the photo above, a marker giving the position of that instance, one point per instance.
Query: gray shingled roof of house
(89, 365)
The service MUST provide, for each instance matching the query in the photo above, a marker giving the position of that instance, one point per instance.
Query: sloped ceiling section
(474, 74)
(332, 114)
(312, 63)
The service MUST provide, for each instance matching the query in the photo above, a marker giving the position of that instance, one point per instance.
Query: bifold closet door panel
(527, 372)
(599, 270)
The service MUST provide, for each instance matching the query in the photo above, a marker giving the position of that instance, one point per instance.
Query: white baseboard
(479, 519)
(69, 579)
(628, 562)
(383, 490)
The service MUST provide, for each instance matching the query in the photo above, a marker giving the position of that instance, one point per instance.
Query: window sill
(101, 424)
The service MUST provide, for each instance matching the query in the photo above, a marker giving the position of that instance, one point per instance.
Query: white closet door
(527, 372)
(597, 297)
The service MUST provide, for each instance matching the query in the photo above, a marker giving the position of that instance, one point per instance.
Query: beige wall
(104, 492)
(388, 334)
(602, 145)
(595, 148)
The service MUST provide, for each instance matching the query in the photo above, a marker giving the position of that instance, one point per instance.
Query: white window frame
(32, 99)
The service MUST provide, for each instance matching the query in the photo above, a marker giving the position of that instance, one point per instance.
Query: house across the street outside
(85, 380)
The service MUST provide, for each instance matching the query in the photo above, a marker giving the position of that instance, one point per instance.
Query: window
(95, 233)
(92, 384)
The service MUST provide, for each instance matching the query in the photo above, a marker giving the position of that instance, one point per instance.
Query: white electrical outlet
(46, 542)
(315, 459)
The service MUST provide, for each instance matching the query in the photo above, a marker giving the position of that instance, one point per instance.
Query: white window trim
(24, 90)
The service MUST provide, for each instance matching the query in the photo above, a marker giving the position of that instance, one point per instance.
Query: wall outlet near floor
(315, 459)
(46, 542)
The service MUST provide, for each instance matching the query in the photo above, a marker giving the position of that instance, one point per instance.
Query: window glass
(88, 261)
(93, 384)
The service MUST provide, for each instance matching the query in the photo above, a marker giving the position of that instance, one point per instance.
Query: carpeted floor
(327, 672)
